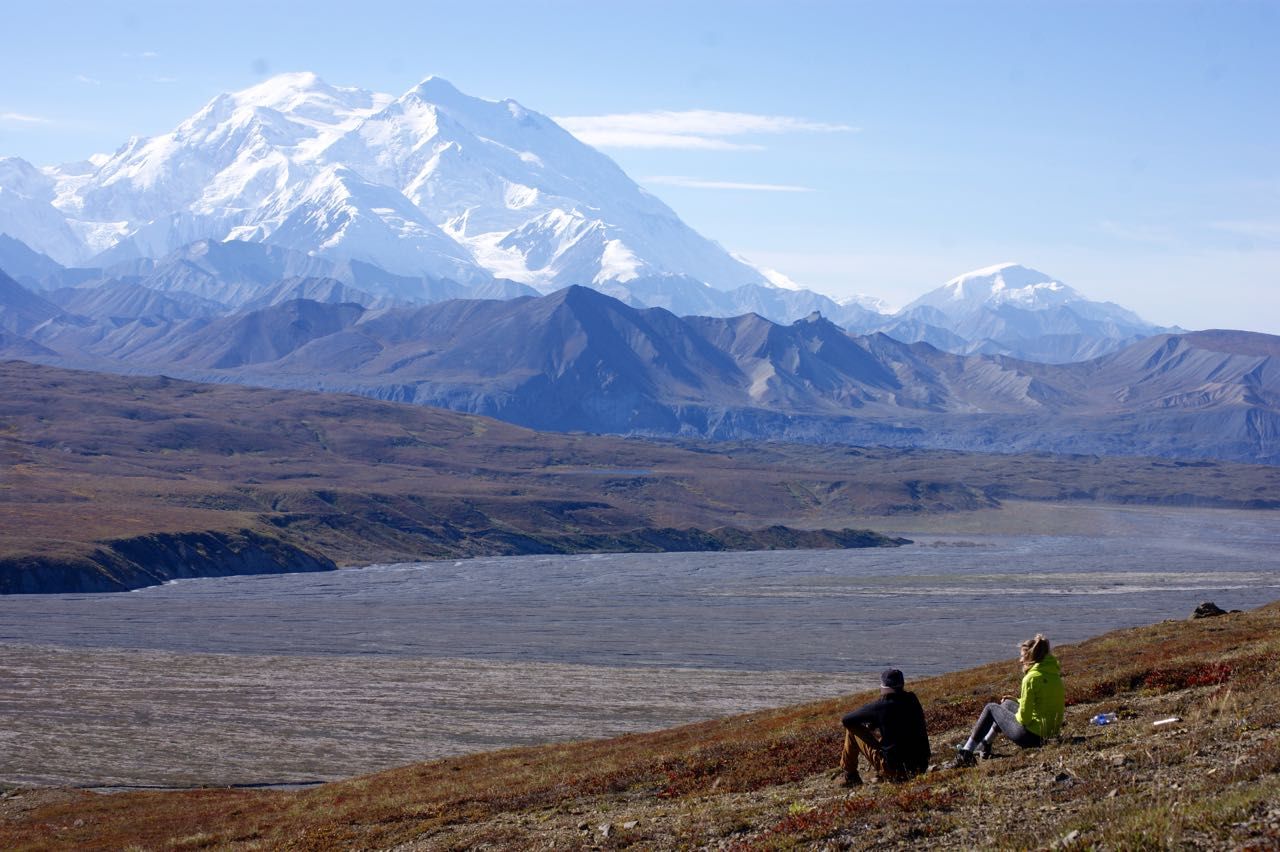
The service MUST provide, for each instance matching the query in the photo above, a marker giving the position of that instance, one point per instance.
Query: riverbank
(762, 780)
(125, 565)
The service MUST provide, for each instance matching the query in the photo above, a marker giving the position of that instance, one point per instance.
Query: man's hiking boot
(849, 779)
(964, 758)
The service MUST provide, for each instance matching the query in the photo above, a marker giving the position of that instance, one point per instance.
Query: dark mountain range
(329, 291)
(22, 310)
(24, 263)
(237, 274)
(116, 301)
(1003, 310)
(687, 297)
(578, 360)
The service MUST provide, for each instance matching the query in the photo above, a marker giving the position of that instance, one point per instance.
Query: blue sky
(1130, 149)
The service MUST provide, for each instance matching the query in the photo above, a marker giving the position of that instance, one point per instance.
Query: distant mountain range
(435, 195)
(1006, 309)
(578, 359)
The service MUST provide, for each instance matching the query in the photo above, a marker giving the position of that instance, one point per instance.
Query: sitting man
(889, 732)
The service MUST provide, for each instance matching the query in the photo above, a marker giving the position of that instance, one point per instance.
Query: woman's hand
(1004, 698)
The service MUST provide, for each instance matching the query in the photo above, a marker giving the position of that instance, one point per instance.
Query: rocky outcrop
(134, 563)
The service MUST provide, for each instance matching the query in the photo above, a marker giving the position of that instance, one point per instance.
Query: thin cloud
(698, 129)
(1137, 233)
(697, 183)
(88, 81)
(639, 139)
(23, 118)
(1257, 229)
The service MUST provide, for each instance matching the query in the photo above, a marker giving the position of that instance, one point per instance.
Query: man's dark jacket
(899, 718)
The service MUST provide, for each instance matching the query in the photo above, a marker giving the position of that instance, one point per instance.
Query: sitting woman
(1033, 718)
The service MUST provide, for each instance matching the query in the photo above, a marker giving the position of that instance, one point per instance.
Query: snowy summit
(1004, 283)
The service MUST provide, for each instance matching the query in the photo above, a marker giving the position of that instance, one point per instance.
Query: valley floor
(108, 718)
(762, 780)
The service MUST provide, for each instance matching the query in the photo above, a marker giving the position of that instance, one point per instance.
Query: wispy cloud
(1138, 233)
(23, 118)
(637, 139)
(87, 80)
(1259, 229)
(697, 129)
(697, 183)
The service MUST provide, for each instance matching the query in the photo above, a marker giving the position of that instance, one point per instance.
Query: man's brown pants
(861, 740)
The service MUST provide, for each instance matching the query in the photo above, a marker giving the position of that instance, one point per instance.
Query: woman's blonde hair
(1034, 650)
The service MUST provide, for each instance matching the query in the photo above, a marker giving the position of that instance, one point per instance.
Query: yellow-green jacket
(1043, 701)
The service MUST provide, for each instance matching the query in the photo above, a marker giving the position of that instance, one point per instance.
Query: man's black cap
(891, 679)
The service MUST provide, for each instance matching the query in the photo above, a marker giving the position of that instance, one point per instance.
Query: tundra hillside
(102, 472)
(763, 781)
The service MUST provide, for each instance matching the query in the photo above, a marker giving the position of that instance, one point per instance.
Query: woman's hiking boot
(964, 757)
(983, 751)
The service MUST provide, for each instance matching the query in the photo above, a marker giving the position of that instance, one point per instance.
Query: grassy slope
(761, 781)
(86, 457)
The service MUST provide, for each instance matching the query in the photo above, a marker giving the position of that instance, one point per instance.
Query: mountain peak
(280, 91)
(290, 80)
(304, 96)
(439, 91)
(436, 83)
(990, 280)
(1002, 283)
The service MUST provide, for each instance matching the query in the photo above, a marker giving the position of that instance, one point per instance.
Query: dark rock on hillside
(1208, 609)
(120, 566)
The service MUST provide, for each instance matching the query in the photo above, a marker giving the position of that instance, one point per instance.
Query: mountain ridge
(578, 359)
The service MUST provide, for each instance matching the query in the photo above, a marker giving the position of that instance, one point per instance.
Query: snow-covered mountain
(974, 293)
(409, 198)
(432, 183)
(1009, 309)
